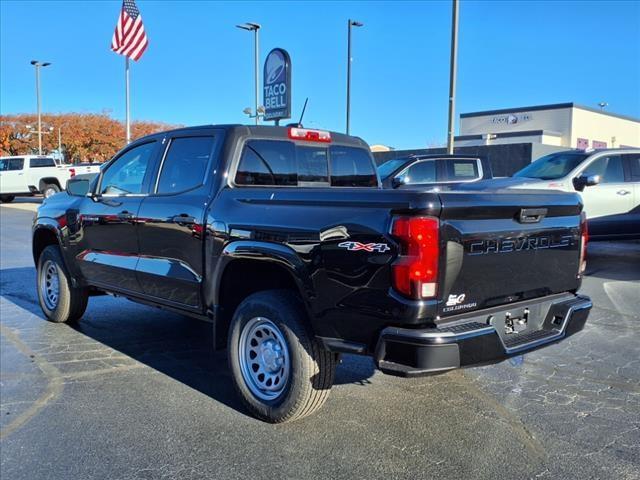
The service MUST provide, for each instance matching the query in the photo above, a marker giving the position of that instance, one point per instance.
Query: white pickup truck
(32, 174)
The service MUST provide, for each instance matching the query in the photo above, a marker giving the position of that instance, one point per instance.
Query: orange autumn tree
(86, 137)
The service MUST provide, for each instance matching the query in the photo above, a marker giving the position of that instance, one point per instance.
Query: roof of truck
(268, 131)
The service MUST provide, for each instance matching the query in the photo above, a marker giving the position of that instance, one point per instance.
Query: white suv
(608, 181)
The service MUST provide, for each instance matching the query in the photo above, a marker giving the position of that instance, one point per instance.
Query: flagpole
(126, 82)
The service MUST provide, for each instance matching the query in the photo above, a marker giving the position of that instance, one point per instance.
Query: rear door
(504, 247)
(172, 219)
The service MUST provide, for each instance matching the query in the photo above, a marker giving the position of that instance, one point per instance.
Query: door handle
(125, 215)
(183, 219)
(623, 192)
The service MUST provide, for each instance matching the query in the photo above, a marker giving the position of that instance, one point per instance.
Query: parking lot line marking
(54, 384)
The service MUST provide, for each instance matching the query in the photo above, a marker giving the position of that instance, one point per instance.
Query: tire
(70, 303)
(7, 198)
(50, 189)
(306, 370)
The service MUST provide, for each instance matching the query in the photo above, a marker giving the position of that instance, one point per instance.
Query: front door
(12, 177)
(107, 248)
(607, 202)
(172, 218)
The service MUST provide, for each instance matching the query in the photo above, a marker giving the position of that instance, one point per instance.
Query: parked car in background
(432, 170)
(607, 180)
(31, 174)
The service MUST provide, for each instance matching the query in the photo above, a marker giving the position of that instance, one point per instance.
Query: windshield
(387, 168)
(551, 167)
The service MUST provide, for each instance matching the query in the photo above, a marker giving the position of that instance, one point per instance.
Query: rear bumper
(478, 339)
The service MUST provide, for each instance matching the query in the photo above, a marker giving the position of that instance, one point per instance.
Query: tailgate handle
(532, 215)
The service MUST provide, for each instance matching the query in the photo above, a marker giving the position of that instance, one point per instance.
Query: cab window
(459, 170)
(609, 168)
(185, 164)
(9, 164)
(352, 167)
(126, 174)
(41, 162)
(267, 162)
(634, 165)
(420, 172)
(283, 163)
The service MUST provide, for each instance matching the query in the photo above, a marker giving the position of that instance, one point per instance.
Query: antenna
(303, 110)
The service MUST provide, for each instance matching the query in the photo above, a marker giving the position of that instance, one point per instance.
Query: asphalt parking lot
(132, 392)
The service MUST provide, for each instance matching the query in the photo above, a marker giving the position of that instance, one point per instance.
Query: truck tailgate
(503, 247)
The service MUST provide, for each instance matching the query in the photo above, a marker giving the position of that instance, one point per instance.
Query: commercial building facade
(512, 138)
(549, 128)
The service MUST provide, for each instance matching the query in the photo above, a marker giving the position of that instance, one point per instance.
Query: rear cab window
(462, 170)
(284, 163)
(41, 162)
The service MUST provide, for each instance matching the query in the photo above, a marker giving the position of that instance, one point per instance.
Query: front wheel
(59, 300)
(279, 370)
(50, 189)
(7, 198)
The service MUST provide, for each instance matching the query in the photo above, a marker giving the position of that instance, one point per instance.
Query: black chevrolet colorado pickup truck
(284, 240)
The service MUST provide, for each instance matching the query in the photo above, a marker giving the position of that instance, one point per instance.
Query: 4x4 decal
(367, 247)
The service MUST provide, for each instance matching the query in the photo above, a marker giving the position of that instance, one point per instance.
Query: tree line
(85, 137)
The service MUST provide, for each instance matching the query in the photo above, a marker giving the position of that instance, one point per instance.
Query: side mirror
(398, 181)
(78, 187)
(582, 181)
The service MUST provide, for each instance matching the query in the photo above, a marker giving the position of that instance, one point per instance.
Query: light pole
(254, 27)
(602, 105)
(350, 23)
(38, 64)
(452, 76)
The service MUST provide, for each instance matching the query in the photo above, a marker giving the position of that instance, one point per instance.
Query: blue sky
(199, 67)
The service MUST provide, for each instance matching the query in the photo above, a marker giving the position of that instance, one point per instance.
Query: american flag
(129, 39)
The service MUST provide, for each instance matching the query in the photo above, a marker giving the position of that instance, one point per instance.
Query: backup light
(309, 135)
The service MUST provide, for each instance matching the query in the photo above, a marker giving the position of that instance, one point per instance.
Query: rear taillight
(72, 171)
(584, 239)
(415, 272)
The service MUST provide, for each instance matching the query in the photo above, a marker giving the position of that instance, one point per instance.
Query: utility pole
(254, 27)
(38, 65)
(452, 77)
(350, 23)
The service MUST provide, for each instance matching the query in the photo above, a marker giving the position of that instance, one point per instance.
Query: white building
(549, 128)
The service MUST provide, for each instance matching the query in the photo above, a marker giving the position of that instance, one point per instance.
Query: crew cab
(434, 170)
(285, 241)
(31, 174)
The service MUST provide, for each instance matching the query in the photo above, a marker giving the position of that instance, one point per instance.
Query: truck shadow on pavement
(612, 260)
(174, 345)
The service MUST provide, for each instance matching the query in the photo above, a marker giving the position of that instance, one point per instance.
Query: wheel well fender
(44, 234)
(246, 267)
(48, 181)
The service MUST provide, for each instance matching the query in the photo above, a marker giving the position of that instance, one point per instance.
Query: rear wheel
(50, 189)
(279, 370)
(7, 198)
(59, 300)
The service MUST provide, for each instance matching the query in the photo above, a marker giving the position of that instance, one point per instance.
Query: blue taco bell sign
(277, 85)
